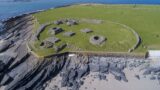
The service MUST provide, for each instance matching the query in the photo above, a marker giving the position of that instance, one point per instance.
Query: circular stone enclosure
(97, 40)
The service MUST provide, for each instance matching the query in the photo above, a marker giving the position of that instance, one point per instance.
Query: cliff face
(33, 74)
(20, 70)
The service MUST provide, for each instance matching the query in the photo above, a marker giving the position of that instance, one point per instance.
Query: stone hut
(55, 30)
(71, 22)
(58, 22)
(97, 40)
(86, 30)
(69, 34)
(53, 39)
(60, 47)
(49, 42)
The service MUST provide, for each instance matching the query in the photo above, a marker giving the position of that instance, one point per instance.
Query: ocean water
(12, 8)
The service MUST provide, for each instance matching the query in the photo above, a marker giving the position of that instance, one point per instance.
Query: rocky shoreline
(20, 70)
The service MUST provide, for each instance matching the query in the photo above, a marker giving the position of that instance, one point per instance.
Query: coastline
(24, 70)
(37, 11)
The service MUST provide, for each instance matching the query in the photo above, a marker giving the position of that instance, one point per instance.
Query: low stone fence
(41, 29)
(103, 54)
(110, 54)
(138, 38)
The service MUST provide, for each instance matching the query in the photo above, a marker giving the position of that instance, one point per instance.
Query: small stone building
(49, 42)
(52, 39)
(69, 34)
(55, 30)
(97, 40)
(86, 30)
(60, 47)
(58, 22)
(71, 22)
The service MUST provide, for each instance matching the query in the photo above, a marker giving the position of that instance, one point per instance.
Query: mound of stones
(97, 40)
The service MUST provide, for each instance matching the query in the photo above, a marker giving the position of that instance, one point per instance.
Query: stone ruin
(60, 47)
(86, 30)
(71, 22)
(58, 22)
(69, 34)
(49, 42)
(97, 40)
(56, 30)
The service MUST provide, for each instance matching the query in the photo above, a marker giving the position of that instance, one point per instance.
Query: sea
(12, 8)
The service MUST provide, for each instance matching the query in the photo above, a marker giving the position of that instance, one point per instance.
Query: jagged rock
(94, 67)
(152, 78)
(118, 78)
(4, 44)
(121, 66)
(138, 77)
(102, 77)
(6, 59)
(75, 86)
(118, 73)
(84, 70)
(104, 67)
(2, 66)
(72, 75)
(81, 83)
(6, 79)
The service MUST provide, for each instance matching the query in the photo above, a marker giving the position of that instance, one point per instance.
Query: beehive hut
(97, 40)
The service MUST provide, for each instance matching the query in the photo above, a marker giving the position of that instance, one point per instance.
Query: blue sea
(11, 8)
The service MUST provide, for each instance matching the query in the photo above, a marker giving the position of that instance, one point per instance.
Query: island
(81, 47)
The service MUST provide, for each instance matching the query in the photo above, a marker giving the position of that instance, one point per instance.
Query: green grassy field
(143, 19)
